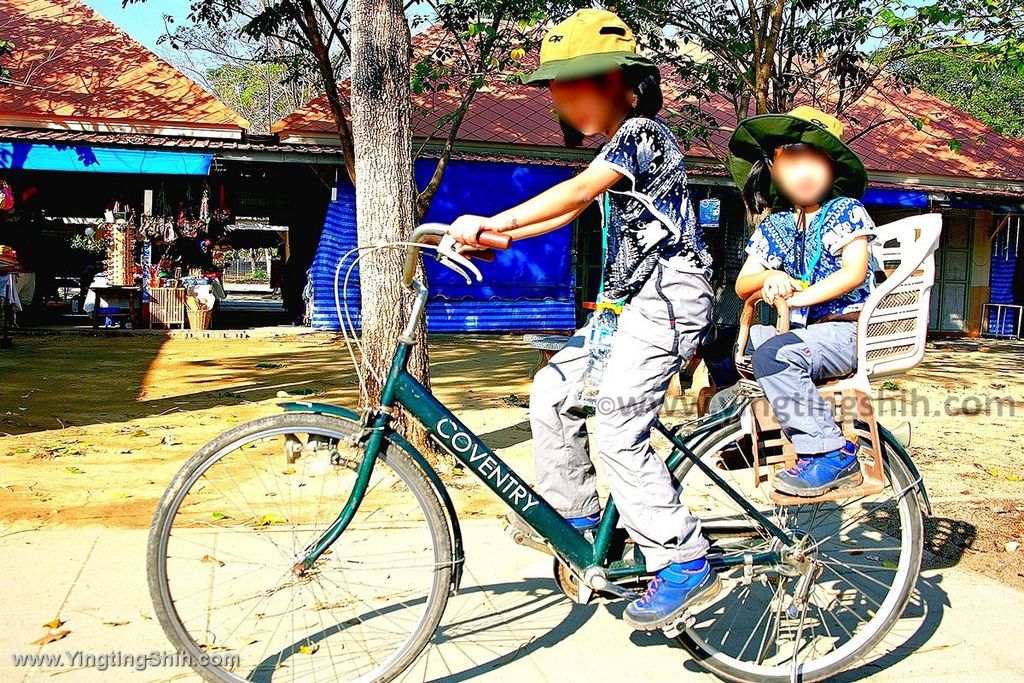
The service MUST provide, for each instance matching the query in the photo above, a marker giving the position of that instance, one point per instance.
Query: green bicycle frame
(401, 388)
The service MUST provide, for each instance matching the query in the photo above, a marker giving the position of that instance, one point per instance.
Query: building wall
(963, 264)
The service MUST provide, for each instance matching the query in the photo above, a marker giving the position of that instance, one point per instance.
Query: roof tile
(506, 113)
(72, 65)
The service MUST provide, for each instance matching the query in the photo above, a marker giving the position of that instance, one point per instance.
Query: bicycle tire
(392, 455)
(723, 667)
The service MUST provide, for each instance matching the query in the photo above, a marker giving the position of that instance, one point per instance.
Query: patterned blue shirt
(651, 214)
(780, 245)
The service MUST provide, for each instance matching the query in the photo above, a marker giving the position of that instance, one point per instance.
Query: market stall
(160, 267)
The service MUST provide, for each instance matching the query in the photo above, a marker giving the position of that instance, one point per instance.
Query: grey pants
(786, 367)
(658, 330)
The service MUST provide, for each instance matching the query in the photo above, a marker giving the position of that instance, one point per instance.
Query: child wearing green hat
(811, 250)
(656, 296)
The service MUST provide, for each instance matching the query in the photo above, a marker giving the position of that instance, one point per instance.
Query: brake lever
(453, 260)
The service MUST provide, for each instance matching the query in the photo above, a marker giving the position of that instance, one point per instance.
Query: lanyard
(612, 304)
(605, 217)
(819, 221)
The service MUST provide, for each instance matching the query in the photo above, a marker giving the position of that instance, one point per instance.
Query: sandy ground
(92, 427)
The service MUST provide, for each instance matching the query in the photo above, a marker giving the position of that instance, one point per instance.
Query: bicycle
(240, 561)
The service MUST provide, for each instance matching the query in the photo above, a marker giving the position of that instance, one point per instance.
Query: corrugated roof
(74, 69)
(511, 115)
(251, 143)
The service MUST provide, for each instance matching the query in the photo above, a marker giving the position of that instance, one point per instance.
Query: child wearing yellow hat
(812, 250)
(655, 302)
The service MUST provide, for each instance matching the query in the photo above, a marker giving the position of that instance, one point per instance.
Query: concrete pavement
(509, 622)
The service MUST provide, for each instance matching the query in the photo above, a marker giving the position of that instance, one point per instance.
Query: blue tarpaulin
(528, 287)
(37, 157)
(885, 197)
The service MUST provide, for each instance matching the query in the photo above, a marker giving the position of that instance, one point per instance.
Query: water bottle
(599, 343)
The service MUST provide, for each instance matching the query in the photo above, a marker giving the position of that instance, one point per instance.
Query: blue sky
(143, 21)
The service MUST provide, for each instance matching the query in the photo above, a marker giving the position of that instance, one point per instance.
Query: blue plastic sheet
(537, 268)
(886, 197)
(528, 287)
(38, 157)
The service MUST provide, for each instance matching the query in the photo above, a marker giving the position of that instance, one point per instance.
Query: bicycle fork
(374, 440)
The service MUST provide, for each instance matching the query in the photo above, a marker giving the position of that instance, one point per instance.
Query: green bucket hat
(757, 137)
(589, 43)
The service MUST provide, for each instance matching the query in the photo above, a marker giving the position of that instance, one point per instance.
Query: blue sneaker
(674, 590)
(584, 523)
(820, 474)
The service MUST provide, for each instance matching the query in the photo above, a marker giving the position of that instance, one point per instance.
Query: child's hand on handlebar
(466, 229)
(778, 283)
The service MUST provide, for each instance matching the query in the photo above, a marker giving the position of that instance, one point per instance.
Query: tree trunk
(385, 193)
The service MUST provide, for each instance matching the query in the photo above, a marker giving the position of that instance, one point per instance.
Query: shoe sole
(855, 479)
(702, 596)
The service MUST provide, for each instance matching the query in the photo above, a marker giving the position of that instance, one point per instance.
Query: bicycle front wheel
(805, 619)
(242, 512)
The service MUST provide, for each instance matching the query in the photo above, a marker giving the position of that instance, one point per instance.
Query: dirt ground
(93, 426)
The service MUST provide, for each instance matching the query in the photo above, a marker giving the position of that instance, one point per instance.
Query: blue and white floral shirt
(781, 245)
(651, 216)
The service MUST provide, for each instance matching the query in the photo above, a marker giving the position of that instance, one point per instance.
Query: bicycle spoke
(842, 606)
(249, 514)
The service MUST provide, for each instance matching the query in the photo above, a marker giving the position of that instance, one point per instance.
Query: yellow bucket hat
(758, 137)
(588, 43)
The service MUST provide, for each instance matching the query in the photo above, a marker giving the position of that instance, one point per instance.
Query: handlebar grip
(485, 255)
(494, 240)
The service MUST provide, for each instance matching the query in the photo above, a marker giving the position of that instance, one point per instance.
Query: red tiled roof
(74, 69)
(505, 114)
(897, 145)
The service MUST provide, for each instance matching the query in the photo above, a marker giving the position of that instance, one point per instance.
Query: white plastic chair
(893, 325)
(891, 334)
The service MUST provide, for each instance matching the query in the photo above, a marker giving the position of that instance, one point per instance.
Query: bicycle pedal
(522, 537)
(675, 628)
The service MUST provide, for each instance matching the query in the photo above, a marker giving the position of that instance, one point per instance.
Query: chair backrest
(894, 322)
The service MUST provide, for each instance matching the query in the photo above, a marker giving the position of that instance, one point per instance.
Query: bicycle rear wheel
(242, 511)
(801, 621)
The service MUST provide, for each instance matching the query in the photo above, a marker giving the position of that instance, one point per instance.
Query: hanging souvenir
(150, 226)
(204, 203)
(6, 196)
(222, 214)
(169, 234)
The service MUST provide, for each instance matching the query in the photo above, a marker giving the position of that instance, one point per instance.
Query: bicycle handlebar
(431, 233)
(747, 318)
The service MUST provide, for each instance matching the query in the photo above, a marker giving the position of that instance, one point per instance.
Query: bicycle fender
(454, 530)
(898, 448)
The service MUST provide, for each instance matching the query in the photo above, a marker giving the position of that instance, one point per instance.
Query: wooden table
(111, 292)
